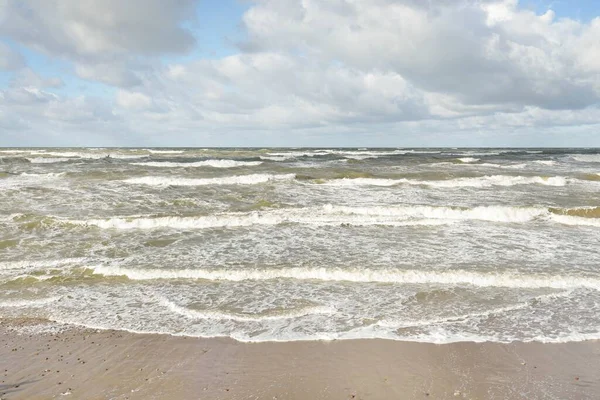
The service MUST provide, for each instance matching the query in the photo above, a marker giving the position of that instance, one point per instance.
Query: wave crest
(206, 163)
(228, 180)
(448, 277)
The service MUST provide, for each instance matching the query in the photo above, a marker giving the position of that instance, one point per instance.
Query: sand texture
(92, 364)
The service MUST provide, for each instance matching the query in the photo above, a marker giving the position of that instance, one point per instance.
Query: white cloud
(98, 29)
(133, 100)
(114, 74)
(9, 58)
(105, 39)
(480, 53)
(317, 70)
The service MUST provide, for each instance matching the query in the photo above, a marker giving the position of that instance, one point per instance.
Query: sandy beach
(93, 364)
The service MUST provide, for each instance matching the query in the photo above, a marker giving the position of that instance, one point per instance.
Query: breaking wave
(207, 163)
(468, 160)
(218, 315)
(28, 303)
(228, 180)
(153, 151)
(589, 158)
(330, 215)
(448, 277)
(480, 182)
(44, 160)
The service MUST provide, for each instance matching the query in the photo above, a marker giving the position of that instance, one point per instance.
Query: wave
(390, 275)
(153, 151)
(545, 162)
(589, 158)
(37, 264)
(360, 155)
(467, 160)
(477, 164)
(276, 158)
(44, 160)
(585, 212)
(18, 180)
(475, 153)
(330, 215)
(81, 155)
(576, 221)
(228, 180)
(480, 182)
(397, 324)
(207, 163)
(485, 213)
(28, 303)
(218, 315)
(504, 166)
(14, 151)
(234, 220)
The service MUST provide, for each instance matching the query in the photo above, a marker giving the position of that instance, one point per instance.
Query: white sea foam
(489, 213)
(391, 275)
(15, 151)
(545, 162)
(479, 165)
(575, 221)
(330, 215)
(227, 180)
(343, 153)
(589, 158)
(475, 153)
(219, 315)
(276, 158)
(467, 160)
(396, 324)
(480, 182)
(503, 166)
(153, 151)
(206, 163)
(83, 155)
(45, 160)
(37, 264)
(310, 216)
(28, 303)
(25, 179)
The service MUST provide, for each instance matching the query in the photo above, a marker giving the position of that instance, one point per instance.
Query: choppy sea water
(434, 245)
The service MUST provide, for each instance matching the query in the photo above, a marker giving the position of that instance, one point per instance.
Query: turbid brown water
(259, 245)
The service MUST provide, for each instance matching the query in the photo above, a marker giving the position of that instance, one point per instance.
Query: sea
(285, 244)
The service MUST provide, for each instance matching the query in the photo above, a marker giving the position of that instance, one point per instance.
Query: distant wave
(480, 182)
(206, 163)
(467, 160)
(153, 151)
(390, 275)
(545, 162)
(589, 158)
(78, 154)
(351, 154)
(228, 180)
(276, 158)
(45, 160)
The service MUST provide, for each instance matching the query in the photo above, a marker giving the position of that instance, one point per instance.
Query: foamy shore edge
(87, 363)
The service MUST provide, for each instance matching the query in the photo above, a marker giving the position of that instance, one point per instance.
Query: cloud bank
(311, 72)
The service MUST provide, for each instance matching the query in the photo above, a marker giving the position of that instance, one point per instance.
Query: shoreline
(103, 364)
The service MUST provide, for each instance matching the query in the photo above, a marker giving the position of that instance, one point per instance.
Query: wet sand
(90, 364)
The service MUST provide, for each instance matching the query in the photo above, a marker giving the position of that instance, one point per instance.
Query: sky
(336, 73)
